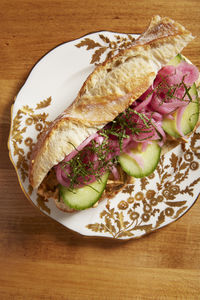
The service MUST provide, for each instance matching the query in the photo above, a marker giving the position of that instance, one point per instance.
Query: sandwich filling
(141, 124)
(145, 126)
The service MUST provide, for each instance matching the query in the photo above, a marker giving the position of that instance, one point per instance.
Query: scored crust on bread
(108, 91)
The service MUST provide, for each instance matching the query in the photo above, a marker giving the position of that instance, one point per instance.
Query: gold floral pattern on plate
(147, 209)
(148, 204)
(108, 46)
(23, 145)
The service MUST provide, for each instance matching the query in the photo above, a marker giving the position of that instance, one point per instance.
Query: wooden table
(40, 259)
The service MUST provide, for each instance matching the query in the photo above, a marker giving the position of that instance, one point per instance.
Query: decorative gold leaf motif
(44, 103)
(135, 205)
(97, 55)
(17, 151)
(109, 226)
(27, 110)
(183, 166)
(156, 210)
(161, 219)
(39, 117)
(24, 174)
(26, 115)
(184, 176)
(179, 211)
(94, 227)
(159, 170)
(89, 43)
(195, 182)
(131, 38)
(178, 177)
(128, 189)
(117, 221)
(104, 38)
(165, 176)
(42, 205)
(195, 138)
(159, 186)
(187, 190)
(113, 218)
(111, 46)
(125, 233)
(30, 189)
(174, 161)
(121, 220)
(103, 213)
(176, 203)
(144, 181)
(146, 228)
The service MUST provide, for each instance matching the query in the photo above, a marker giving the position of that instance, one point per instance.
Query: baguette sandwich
(135, 103)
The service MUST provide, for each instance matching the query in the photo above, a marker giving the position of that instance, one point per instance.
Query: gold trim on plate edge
(127, 218)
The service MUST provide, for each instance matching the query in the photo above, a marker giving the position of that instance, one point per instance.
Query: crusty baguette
(108, 91)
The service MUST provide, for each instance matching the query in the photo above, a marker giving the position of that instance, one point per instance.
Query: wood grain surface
(40, 259)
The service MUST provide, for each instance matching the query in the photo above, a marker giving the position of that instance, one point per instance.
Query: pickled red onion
(59, 175)
(165, 108)
(86, 141)
(144, 103)
(189, 72)
(115, 172)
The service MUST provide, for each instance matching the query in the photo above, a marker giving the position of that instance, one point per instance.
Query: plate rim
(16, 170)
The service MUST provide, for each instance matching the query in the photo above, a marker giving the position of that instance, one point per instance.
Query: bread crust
(108, 91)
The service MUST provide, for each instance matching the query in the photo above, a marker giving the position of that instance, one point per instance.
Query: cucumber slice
(176, 60)
(86, 196)
(191, 114)
(189, 119)
(150, 157)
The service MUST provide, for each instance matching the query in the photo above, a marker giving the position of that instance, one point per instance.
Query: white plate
(150, 203)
